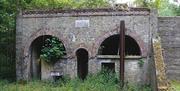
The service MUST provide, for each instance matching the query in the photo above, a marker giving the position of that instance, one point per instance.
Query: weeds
(102, 81)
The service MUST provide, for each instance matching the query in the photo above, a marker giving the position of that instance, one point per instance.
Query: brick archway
(81, 46)
(129, 32)
(26, 53)
(43, 32)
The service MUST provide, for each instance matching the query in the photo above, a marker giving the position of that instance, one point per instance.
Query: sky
(131, 1)
(124, 1)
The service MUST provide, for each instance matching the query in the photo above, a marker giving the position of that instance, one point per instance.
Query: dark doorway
(82, 63)
(108, 67)
(110, 46)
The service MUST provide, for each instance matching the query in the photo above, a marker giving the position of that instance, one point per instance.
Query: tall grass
(176, 85)
(102, 81)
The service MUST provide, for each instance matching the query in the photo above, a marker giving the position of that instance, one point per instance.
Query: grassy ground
(99, 82)
(176, 85)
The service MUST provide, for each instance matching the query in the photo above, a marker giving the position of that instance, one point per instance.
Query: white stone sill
(117, 57)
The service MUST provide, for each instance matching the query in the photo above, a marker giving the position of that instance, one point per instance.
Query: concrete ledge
(55, 11)
(85, 12)
(117, 57)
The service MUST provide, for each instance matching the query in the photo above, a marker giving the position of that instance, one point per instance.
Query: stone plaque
(55, 73)
(81, 23)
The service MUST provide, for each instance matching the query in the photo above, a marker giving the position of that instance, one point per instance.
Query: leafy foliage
(176, 85)
(150, 3)
(164, 7)
(52, 50)
(63, 4)
(7, 39)
(141, 62)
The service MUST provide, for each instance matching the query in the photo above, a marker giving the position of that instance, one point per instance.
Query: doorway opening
(82, 63)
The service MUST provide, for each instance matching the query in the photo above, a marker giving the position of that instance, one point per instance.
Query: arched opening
(82, 63)
(110, 46)
(35, 51)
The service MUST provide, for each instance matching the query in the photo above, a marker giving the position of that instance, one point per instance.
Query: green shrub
(52, 50)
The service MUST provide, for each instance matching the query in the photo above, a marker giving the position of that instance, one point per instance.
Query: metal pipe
(122, 52)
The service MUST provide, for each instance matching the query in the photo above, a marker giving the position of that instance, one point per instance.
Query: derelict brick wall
(169, 31)
(30, 27)
(73, 38)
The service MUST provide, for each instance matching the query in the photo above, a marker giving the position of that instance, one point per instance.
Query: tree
(7, 38)
(63, 4)
(163, 6)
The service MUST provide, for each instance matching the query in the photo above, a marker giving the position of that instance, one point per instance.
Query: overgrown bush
(52, 50)
(7, 39)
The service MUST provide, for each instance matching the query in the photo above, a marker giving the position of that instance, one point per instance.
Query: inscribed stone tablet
(81, 23)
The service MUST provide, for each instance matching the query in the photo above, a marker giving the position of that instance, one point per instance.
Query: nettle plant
(52, 50)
